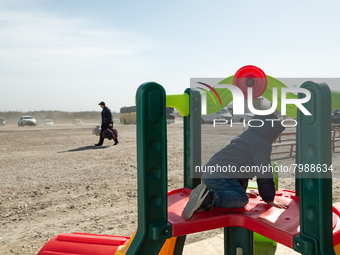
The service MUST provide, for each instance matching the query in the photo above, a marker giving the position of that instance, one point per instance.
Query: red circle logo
(251, 76)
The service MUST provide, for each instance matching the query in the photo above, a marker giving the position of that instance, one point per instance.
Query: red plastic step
(83, 244)
(96, 239)
(280, 225)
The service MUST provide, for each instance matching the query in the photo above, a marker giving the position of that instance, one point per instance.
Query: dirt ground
(53, 180)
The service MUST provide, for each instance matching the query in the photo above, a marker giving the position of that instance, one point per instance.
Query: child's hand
(278, 204)
(252, 193)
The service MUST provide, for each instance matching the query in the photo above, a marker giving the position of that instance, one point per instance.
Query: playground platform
(215, 245)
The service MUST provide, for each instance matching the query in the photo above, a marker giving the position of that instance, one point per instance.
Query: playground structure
(310, 225)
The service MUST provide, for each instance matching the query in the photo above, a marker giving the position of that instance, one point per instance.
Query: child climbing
(248, 154)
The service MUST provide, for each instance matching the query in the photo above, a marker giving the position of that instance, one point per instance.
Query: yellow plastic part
(167, 249)
(122, 249)
(181, 102)
(337, 249)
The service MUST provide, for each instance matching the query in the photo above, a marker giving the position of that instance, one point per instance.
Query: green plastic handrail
(182, 101)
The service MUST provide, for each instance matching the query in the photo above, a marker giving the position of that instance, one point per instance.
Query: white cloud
(39, 48)
(37, 36)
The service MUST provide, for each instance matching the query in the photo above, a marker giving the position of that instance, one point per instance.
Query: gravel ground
(53, 180)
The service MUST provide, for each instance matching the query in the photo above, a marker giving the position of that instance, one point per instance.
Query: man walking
(106, 122)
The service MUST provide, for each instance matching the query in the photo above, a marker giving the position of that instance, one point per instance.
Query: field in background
(53, 180)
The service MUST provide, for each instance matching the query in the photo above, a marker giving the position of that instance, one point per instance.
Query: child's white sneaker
(200, 199)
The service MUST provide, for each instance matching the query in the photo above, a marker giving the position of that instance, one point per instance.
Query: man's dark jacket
(251, 148)
(106, 117)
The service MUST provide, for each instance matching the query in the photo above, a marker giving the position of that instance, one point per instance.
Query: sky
(71, 55)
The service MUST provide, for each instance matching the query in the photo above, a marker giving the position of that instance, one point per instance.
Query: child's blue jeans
(228, 193)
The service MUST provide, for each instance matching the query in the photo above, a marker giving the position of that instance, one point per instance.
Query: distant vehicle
(128, 115)
(27, 121)
(248, 115)
(223, 114)
(48, 122)
(170, 115)
(2, 121)
(336, 116)
(77, 122)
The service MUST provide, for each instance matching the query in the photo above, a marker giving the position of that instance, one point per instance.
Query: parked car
(48, 122)
(170, 115)
(336, 116)
(77, 122)
(27, 121)
(239, 117)
(223, 114)
(2, 121)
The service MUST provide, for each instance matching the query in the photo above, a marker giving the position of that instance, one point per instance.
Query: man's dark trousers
(101, 139)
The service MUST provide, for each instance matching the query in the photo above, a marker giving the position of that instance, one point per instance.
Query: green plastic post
(192, 139)
(253, 185)
(238, 241)
(315, 186)
(153, 227)
(192, 149)
(179, 245)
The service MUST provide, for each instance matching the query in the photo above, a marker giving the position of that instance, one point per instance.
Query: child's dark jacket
(251, 148)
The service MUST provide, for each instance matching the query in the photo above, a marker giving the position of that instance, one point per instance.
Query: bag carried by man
(110, 134)
(96, 131)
